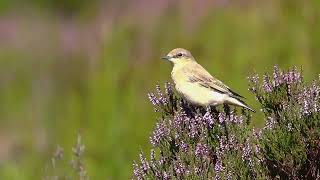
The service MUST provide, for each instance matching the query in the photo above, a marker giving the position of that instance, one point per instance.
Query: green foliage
(291, 138)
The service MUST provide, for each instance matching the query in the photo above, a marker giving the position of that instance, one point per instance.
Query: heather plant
(199, 143)
(290, 140)
(191, 142)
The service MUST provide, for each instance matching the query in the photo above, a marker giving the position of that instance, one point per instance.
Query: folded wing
(197, 74)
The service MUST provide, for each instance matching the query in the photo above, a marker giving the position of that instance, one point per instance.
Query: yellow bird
(196, 85)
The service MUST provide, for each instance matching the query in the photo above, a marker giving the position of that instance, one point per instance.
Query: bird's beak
(166, 58)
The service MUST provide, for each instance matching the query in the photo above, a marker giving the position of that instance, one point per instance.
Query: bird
(197, 85)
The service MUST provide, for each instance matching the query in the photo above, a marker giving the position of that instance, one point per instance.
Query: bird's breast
(199, 95)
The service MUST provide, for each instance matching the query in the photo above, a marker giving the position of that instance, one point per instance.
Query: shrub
(192, 142)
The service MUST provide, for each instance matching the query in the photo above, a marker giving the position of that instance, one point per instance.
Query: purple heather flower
(217, 177)
(179, 167)
(229, 176)
(153, 99)
(234, 118)
(289, 77)
(223, 144)
(239, 119)
(306, 107)
(179, 119)
(277, 76)
(208, 119)
(232, 142)
(218, 166)
(160, 132)
(254, 80)
(162, 99)
(183, 146)
(144, 163)
(193, 128)
(137, 171)
(168, 89)
(309, 99)
(166, 176)
(257, 149)
(296, 75)
(162, 160)
(247, 153)
(266, 84)
(201, 150)
(222, 117)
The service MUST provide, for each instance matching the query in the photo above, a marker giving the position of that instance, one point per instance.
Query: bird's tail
(239, 102)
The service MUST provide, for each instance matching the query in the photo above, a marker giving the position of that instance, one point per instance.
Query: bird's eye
(179, 54)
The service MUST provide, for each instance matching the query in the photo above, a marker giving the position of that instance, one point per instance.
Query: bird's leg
(246, 114)
(227, 111)
(203, 110)
(214, 111)
(186, 107)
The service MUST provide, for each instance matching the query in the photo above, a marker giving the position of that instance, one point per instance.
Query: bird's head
(179, 55)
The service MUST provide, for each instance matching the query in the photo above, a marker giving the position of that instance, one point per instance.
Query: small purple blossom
(309, 99)
(201, 150)
(246, 151)
(162, 160)
(234, 118)
(232, 142)
(254, 81)
(179, 167)
(222, 117)
(218, 167)
(168, 89)
(183, 146)
(162, 99)
(266, 84)
(144, 163)
(161, 131)
(153, 99)
(137, 171)
(193, 127)
(179, 119)
(257, 149)
(208, 119)
(166, 176)
(277, 76)
(223, 145)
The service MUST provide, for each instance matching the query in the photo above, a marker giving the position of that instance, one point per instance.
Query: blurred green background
(76, 66)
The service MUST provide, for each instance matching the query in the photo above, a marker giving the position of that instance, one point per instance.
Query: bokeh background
(76, 66)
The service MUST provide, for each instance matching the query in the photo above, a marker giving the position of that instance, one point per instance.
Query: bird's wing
(197, 74)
